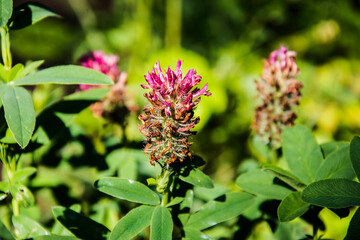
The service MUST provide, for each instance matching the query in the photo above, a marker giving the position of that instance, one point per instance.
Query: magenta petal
(178, 69)
(201, 91)
(166, 103)
(156, 79)
(273, 56)
(145, 86)
(188, 80)
(169, 77)
(150, 80)
(159, 72)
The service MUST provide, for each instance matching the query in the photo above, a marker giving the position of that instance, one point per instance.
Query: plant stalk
(10, 170)
(164, 186)
(5, 47)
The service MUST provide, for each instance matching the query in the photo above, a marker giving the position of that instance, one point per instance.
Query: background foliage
(225, 41)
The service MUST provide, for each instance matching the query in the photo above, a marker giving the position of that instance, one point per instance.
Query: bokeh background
(225, 41)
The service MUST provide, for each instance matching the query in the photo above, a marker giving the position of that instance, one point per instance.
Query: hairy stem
(164, 186)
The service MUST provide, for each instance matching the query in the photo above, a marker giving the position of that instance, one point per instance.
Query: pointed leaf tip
(66, 74)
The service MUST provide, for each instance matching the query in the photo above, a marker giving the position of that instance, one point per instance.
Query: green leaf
(32, 66)
(330, 147)
(125, 162)
(8, 138)
(333, 193)
(285, 176)
(23, 173)
(175, 201)
(192, 233)
(127, 189)
(28, 13)
(185, 206)
(60, 230)
(215, 212)
(151, 182)
(67, 74)
(260, 150)
(208, 194)
(93, 94)
(129, 169)
(353, 231)
(261, 183)
(302, 153)
(22, 194)
(16, 72)
(71, 104)
(27, 228)
(198, 178)
(5, 233)
(4, 186)
(132, 223)
(81, 226)
(3, 88)
(19, 114)
(161, 225)
(337, 165)
(5, 11)
(291, 207)
(355, 155)
(188, 199)
(4, 73)
(54, 237)
(254, 211)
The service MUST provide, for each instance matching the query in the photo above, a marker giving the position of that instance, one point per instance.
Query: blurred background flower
(278, 94)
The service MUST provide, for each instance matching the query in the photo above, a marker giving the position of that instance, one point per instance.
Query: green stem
(5, 47)
(165, 198)
(16, 207)
(10, 170)
(164, 186)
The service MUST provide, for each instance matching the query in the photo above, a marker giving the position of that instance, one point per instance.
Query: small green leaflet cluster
(159, 217)
(149, 213)
(15, 99)
(17, 189)
(339, 192)
(308, 163)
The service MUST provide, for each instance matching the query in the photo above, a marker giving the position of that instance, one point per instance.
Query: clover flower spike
(169, 116)
(279, 92)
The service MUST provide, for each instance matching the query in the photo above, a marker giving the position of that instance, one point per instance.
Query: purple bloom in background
(279, 92)
(169, 117)
(116, 105)
(106, 64)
